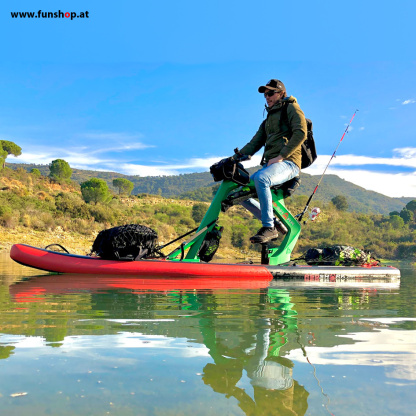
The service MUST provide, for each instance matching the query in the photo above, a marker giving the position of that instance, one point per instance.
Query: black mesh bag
(126, 242)
(337, 256)
(314, 256)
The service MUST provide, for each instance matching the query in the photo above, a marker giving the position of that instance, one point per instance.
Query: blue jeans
(268, 176)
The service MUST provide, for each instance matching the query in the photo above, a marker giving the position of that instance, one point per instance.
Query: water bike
(192, 258)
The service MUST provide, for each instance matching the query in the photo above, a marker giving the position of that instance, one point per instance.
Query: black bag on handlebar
(231, 170)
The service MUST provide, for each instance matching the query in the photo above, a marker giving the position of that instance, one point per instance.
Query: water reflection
(254, 352)
(244, 346)
(254, 348)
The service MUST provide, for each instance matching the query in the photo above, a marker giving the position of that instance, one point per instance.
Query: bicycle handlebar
(239, 157)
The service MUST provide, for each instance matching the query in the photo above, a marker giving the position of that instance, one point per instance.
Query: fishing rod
(300, 216)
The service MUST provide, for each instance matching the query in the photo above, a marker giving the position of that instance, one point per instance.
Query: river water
(84, 345)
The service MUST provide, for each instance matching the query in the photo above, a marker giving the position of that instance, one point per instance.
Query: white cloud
(120, 142)
(390, 184)
(144, 170)
(405, 157)
(111, 136)
(75, 159)
(394, 184)
(83, 157)
(190, 165)
(410, 101)
(406, 152)
(392, 350)
(71, 345)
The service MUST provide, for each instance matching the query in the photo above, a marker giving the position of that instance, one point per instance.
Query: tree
(124, 185)
(340, 202)
(215, 189)
(3, 155)
(8, 148)
(396, 222)
(406, 215)
(60, 170)
(95, 190)
(411, 206)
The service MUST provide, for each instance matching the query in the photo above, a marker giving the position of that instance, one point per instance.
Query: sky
(162, 88)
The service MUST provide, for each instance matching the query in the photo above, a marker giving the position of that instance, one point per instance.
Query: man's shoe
(264, 235)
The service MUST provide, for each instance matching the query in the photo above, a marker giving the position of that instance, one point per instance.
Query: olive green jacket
(275, 136)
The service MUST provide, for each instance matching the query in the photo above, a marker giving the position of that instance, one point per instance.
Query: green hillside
(198, 186)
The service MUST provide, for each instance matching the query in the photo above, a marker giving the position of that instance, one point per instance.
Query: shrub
(8, 220)
(165, 233)
(82, 226)
(72, 204)
(25, 220)
(198, 212)
(188, 222)
(340, 202)
(44, 196)
(5, 209)
(240, 235)
(162, 218)
(102, 213)
(36, 173)
(43, 221)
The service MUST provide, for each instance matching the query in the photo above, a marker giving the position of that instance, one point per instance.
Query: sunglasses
(270, 93)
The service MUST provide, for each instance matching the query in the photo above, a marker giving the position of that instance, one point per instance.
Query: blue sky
(170, 87)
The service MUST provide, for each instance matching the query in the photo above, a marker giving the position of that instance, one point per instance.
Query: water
(100, 345)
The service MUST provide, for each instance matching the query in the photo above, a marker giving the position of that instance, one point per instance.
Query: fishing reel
(313, 215)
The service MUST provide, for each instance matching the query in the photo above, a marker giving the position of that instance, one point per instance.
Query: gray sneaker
(264, 235)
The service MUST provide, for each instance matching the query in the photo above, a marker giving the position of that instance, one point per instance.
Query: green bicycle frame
(278, 255)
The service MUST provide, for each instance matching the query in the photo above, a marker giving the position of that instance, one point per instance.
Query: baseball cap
(273, 84)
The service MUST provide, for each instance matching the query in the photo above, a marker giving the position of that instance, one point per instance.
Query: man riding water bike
(281, 160)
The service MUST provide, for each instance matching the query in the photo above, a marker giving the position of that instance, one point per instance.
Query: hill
(198, 186)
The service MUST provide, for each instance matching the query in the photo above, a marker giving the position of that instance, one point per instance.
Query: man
(281, 161)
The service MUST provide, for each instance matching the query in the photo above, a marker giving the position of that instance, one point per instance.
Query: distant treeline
(198, 187)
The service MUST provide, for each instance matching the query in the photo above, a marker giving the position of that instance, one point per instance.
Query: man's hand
(275, 160)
